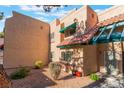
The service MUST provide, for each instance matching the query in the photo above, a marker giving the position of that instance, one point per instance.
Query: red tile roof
(87, 36)
(112, 20)
(80, 39)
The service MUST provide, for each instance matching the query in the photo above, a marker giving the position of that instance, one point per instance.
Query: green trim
(102, 30)
(121, 23)
(115, 35)
(113, 28)
(68, 46)
(66, 28)
(122, 34)
(63, 30)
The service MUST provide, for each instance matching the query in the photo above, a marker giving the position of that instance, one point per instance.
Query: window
(72, 32)
(51, 54)
(66, 56)
(63, 55)
(69, 32)
(52, 35)
(92, 15)
(41, 27)
(62, 25)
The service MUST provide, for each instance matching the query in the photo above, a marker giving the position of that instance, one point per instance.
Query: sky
(38, 12)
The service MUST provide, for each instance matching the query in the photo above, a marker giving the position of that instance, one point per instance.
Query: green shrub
(20, 73)
(39, 64)
(94, 77)
(1, 34)
(55, 69)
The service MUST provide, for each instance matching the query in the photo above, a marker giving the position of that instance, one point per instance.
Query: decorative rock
(4, 81)
(115, 72)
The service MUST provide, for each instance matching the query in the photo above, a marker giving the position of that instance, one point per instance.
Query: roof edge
(20, 14)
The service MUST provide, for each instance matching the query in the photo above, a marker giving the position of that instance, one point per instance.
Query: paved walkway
(42, 78)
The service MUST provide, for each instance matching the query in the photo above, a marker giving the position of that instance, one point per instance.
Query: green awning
(68, 27)
(68, 46)
(63, 30)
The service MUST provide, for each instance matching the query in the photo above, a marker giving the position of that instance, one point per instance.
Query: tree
(48, 8)
(1, 34)
(1, 15)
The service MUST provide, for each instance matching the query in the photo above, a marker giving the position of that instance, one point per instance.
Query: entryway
(113, 62)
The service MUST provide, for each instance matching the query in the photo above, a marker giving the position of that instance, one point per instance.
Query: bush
(39, 64)
(1, 34)
(55, 69)
(94, 77)
(20, 73)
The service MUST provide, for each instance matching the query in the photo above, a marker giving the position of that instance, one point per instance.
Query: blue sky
(38, 13)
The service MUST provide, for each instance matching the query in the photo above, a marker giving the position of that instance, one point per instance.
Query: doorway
(113, 61)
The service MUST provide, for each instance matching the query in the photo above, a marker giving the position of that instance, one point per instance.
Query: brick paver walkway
(42, 78)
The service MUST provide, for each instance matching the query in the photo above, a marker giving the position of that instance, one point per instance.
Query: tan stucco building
(83, 39)
(79, 39)
(26, 41)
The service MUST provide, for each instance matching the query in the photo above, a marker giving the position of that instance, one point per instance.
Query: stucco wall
(26, 40)
(54, 28)
(86, 56)
(111, 12)
(92, 18)
(89, 59)
(79, 14)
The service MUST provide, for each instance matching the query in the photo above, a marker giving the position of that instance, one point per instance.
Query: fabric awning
(73, 26)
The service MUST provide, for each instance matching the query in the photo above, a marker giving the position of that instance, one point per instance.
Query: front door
(111, 62)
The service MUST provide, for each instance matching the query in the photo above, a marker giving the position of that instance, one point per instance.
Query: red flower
(78, 74)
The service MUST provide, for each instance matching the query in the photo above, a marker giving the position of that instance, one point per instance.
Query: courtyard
(41, 78)
(81, 46)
